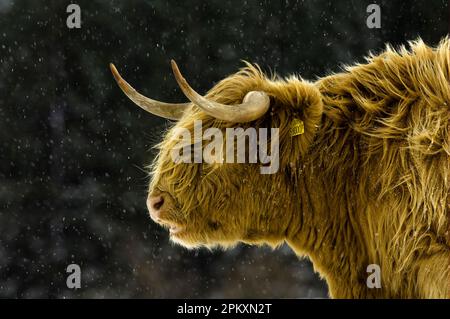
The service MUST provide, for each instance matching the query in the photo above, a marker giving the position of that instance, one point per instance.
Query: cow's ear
(298, 115)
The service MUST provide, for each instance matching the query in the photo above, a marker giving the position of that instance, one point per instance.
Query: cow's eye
(213, 225)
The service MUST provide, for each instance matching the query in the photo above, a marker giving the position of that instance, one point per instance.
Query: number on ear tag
(297, 127)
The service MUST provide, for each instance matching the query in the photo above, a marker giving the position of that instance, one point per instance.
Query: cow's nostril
(157, 204)
(154, 204)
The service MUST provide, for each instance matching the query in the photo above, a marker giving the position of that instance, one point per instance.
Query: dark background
(73, 148)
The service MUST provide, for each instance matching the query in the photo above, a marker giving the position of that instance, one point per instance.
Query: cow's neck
(322, 229)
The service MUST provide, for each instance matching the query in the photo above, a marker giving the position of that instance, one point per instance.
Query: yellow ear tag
(297, 127)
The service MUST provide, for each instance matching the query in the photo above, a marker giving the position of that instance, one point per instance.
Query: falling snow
(74, 149)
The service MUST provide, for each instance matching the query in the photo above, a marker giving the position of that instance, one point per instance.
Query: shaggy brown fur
(368, 182)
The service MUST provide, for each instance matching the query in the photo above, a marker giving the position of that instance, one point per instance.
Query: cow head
(211, 203)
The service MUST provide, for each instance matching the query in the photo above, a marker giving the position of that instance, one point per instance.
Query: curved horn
(254, 105)
(171, 111)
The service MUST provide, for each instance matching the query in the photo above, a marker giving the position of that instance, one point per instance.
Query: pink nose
(154, 205)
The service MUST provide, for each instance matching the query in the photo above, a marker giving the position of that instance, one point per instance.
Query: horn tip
(114, 71)
(178, 77)
(174, 65)
(120, 81)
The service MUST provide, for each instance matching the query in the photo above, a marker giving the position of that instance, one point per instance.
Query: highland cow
(366, 183)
